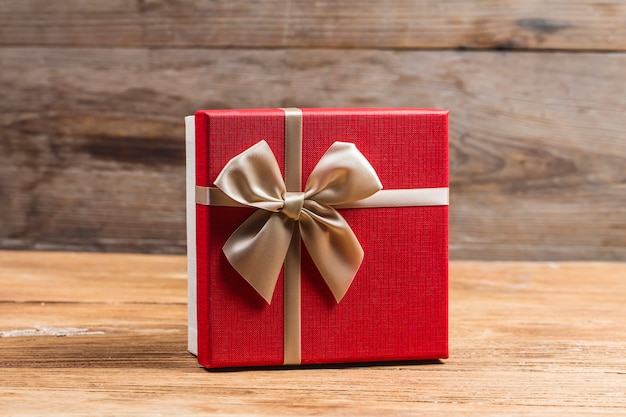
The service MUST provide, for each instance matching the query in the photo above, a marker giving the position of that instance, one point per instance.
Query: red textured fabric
(397, 306)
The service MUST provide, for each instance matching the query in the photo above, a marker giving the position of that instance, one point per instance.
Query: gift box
(317, 236)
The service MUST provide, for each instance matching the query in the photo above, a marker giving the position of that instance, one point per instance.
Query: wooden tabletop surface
(105, 334)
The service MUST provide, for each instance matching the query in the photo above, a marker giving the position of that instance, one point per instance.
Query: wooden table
(98, 334)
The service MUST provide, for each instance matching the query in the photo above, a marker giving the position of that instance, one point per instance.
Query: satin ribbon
(270, 237)
(258, 247)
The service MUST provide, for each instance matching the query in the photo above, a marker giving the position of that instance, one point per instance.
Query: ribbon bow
(258, 247)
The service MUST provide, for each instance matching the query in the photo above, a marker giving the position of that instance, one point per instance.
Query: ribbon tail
(333, 246)
(257, 249)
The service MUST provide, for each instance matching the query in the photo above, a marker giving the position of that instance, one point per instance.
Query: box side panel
(190, 181)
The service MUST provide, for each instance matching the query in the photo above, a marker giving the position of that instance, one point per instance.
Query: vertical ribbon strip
(292, 345)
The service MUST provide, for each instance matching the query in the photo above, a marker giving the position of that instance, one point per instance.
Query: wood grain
(502, 24)
(92, 149)
(532, 339)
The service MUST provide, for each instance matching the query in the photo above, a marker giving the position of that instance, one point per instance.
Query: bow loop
(253, 178)
(258, 247)
(341, 176)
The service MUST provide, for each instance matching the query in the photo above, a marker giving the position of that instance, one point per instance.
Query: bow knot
(258, 247)
(294, 201)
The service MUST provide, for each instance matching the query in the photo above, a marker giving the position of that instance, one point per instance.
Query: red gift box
(396, 307)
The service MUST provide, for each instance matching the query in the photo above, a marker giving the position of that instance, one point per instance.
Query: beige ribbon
(269, 238)
(258, 247)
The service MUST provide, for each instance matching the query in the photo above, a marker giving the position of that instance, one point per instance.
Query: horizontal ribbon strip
(410, 197)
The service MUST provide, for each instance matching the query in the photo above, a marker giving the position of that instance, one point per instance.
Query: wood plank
(136, 278)
(536, 339)
(502, 24)
(91, 156)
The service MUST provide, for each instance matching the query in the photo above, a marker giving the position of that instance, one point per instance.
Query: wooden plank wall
(94, 93)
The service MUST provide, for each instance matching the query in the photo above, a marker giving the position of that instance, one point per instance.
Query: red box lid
(397, 305)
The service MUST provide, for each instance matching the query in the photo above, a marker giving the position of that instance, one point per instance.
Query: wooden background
(94, 94)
